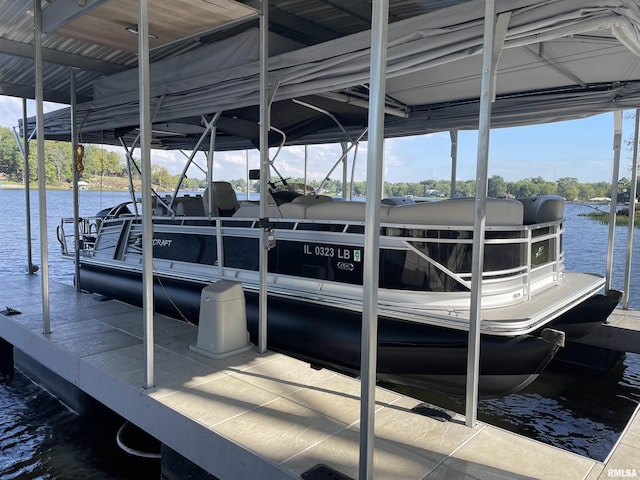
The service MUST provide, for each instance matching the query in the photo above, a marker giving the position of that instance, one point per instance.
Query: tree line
(99, 162)
(568, 187)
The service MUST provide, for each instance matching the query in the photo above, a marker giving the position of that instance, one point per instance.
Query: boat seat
(542, 208)
(189, 206)
(297, 208)
(251, 209)
(457, 211)
(224, 201)
(353, 211)
(393, 201)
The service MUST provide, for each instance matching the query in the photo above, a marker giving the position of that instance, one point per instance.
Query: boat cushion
(297, 207)
(251, 209)
(353, 211)
(543, 208)
(457, 211)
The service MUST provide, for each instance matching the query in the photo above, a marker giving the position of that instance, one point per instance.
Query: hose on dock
(130, 450)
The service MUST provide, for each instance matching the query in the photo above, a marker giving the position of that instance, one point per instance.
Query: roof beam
(60, 12)
(23, 91)
(19, 49)
(539, 55)
(294, 23)
(356, 8)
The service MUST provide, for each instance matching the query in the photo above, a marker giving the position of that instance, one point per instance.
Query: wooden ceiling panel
(170, 21)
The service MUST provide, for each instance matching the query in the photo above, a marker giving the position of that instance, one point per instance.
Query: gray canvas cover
(561, 59)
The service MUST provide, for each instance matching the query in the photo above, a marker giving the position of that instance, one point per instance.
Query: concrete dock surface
(270, 416)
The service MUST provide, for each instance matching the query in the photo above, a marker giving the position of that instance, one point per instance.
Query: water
(581, 411)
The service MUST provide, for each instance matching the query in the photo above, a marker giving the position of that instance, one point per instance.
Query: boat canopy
(561, 59)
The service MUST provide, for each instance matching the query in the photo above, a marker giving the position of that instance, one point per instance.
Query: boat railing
(530, 257)
(87, 233)
(520, 259)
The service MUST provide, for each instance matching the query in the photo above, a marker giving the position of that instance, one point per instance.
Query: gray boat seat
(542, 208)
(352, 211)
(189, 206)
(223, 198)
(457, 212)
(297, 208)
(251, 209)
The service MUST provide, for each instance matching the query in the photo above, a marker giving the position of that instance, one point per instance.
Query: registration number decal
(342, 253)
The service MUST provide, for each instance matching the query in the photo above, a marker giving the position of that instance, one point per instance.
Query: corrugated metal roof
(305, 21)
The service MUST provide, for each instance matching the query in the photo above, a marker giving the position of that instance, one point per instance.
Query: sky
(581, 149)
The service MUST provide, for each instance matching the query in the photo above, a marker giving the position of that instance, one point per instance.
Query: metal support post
(42, 179)
(76, 177)
(632, 212)
(345, 169)
(31, 268)
(264, 173)
(454, 161)
(375, 153)
(615, 176)
(145, 153)
(495, 30)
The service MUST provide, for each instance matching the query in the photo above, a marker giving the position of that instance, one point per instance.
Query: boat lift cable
(156, 274)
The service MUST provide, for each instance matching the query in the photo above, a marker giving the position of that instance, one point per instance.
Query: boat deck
(526, 317)
(265, 416)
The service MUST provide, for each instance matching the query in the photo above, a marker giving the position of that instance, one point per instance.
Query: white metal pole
(306, 167)
(145, 154)
(371, 267)
(264, 172)
(42, 178)
(477, 264)
(31, 269)
(632, 212)
(454, 161)
(76, 176)
(345, 170)
(246, 172)
(617, 146)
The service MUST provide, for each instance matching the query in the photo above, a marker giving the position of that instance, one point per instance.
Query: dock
(269, 416)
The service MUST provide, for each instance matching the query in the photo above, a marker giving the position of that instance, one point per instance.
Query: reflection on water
(580, 410)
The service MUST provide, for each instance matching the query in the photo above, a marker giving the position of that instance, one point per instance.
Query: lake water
(581, 411)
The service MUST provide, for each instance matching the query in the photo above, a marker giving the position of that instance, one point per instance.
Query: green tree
(11, 163)
(525, 188)
(161, 177)
(58, 158)
(100, 161)
(497, 187)
(568, 188)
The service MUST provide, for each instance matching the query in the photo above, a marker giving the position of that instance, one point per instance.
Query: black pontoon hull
(409, 353)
